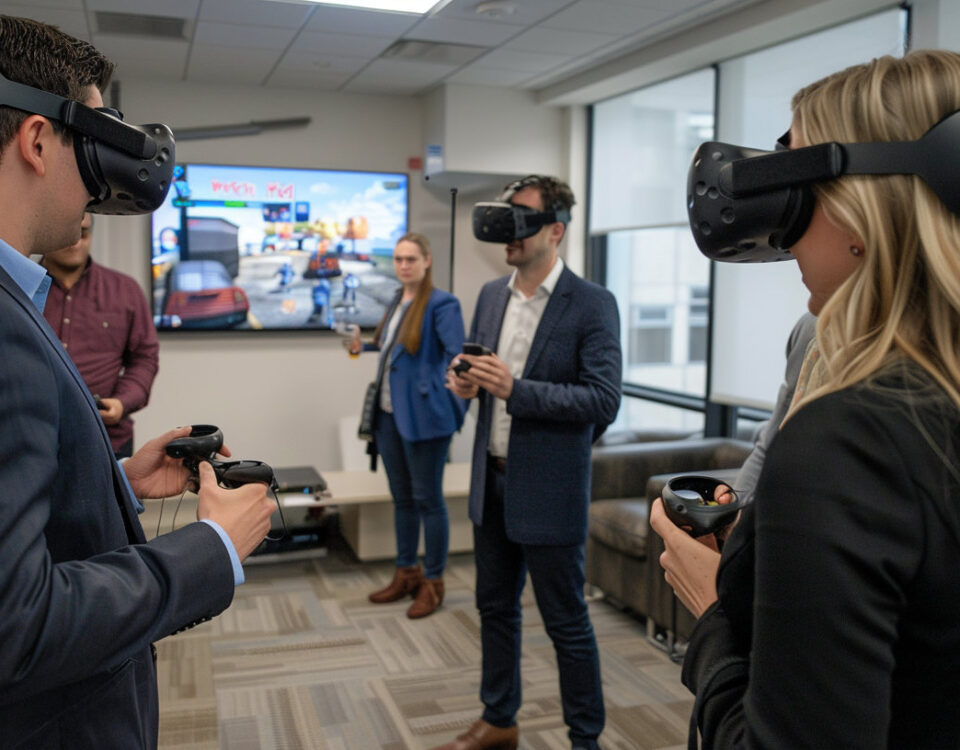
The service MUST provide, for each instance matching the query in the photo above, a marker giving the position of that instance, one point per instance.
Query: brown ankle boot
(405, 581)
(429, 597)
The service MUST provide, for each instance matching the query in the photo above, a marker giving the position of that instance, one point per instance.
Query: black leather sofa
(622, 554)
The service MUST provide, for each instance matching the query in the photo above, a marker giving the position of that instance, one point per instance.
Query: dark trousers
(415, 475)
(557, 574)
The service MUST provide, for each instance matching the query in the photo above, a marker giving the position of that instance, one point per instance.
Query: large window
(640, 152)
(758, 304)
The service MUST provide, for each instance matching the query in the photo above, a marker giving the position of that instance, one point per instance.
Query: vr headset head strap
(94, 123)
(931, 158)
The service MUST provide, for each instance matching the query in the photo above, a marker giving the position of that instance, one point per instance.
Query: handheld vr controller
(203, 443)
(478, 350)
(689, 502)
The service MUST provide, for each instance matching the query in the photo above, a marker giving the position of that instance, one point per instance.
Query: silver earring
(855, 251)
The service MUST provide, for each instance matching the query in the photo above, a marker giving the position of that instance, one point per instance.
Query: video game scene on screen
(270, 248)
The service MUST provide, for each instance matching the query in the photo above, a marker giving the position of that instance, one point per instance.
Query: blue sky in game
(313, 195)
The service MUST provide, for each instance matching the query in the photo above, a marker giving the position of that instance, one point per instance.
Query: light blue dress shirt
(35, 283)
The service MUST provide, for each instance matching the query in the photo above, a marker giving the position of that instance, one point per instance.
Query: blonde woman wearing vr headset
(834, 619)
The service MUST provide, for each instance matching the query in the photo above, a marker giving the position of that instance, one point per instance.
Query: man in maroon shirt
(102, 318)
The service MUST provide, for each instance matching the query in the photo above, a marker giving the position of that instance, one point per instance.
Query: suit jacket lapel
(492, 320)
(497, 310)
(131, 522)
(555, 310)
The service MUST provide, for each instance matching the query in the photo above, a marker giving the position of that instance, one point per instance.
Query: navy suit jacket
(82, 595)
(424, 409)
(568, 394)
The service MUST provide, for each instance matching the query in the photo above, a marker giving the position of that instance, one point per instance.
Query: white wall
(277, 396)
(936, 24)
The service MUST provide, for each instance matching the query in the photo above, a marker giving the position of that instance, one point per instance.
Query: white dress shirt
(520, 322)
(386, 401)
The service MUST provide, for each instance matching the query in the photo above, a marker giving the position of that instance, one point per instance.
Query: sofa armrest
(623, 470)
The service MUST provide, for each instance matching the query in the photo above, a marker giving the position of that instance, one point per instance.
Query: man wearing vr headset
(83, 595)
(104, 322)
(548, 392)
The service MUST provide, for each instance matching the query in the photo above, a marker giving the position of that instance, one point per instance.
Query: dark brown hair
(409, 334)
(42, 56)
(554, 194)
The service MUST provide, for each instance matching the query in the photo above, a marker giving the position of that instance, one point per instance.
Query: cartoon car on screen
(202, 295)
(322, 265)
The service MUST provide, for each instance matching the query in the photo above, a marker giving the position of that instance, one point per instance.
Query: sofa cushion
(620, 524)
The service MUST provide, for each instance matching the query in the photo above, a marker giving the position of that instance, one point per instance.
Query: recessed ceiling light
(397, 6)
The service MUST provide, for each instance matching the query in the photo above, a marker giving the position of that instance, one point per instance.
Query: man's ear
(557, 230)
(33, 136)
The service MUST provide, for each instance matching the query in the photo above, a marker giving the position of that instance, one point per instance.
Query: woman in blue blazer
(421, 332)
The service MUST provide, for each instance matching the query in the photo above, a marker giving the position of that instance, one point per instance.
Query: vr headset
(502, 221)
(127, 169)
(749, 206)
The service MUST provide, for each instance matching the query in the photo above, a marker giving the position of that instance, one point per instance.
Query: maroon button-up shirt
(105, 325)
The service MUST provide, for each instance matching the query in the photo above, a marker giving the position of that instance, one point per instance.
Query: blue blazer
(424, 409)
(82, 595)
(568, 394)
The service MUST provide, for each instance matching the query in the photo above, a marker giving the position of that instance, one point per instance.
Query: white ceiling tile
(131, 49)
(164, 69)
(169, 8)
(306, 62)
(397, 76)
(73, 22)
(340, 44)
(486, 76)
(323, 47)
(247, 37)
(20, 9)
(462, 32)
(407, 70)
(552, 41)
(531, 62)
(351, 21)
(298, 79)
(604, 17)
(255, 12)
(213, 63)
(525, 11)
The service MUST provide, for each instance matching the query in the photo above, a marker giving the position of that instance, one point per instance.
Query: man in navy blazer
(82, 595)
(549, 390)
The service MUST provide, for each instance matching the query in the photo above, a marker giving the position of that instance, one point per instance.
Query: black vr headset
(502, 221)
(749, 206)
(126, 168)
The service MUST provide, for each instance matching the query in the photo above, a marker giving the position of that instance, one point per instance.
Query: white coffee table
(365, 507)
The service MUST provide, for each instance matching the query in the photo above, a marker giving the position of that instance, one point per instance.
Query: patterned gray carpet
(302, 660)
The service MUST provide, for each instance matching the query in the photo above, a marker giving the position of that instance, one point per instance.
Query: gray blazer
(82, 595)
(801, 335)
(568, 394)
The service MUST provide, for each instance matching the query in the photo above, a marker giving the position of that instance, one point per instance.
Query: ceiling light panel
(395, 6)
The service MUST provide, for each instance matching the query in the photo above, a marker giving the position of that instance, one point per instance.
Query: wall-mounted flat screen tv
(247, 248)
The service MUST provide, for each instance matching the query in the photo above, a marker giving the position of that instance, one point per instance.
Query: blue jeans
(558, 577)
(415, 474)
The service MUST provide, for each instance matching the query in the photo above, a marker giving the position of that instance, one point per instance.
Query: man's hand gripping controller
(203, 443)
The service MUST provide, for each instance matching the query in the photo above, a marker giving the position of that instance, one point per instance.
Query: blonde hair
(902, 303)
(410, 329)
